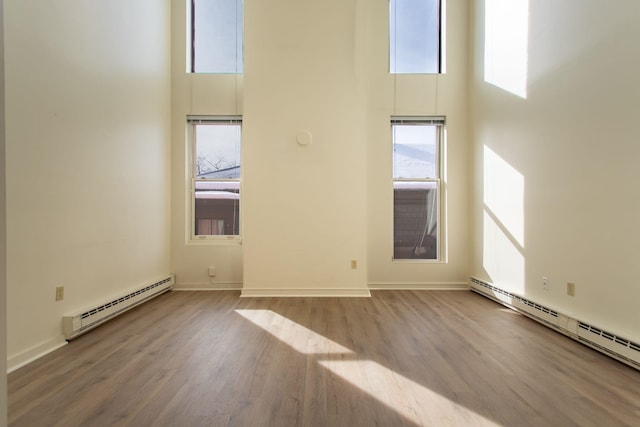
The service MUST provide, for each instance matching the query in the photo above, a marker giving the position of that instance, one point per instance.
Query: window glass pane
(415, 220)
(217, 151)
(217, 36)
(415, 151)
(414, 42)
(217, 208)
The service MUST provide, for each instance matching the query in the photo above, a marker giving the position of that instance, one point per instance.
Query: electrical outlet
(545, 283)
(212, 271)
(59, 293)
(354, 264)
(571, 289)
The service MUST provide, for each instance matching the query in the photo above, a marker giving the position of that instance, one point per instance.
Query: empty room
(320, 213)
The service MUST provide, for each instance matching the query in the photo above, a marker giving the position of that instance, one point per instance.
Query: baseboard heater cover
(608, 343)
(77, 324)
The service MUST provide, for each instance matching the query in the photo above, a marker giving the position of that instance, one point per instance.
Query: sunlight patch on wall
(504, 194)
(506, 44)
(503, 222)
(388, 387)
(502, 259)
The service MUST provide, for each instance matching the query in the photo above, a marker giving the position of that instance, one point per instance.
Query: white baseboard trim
(379, 286)
(419, 286)
(305, 293)
(222, 286)
(23, 358)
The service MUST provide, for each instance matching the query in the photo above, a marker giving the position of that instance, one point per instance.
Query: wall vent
(83, 321)
(533, 309)
(606, 342)
(611, 344)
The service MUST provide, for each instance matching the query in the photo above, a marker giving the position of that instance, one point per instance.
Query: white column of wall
(304, 204)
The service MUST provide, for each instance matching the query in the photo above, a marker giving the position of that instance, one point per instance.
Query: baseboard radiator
(608, 343)
(83, 321)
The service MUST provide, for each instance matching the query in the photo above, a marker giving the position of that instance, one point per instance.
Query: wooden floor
(400, 358)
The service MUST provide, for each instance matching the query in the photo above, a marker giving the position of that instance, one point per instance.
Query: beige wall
(442, 95)
(3, 238)
(320, 68)
(198, 94)
(556, 173)
(303, 74)
(87, 146)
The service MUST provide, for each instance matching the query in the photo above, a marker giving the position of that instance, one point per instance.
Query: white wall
(87, 146)
(556, 174)
(309, 211)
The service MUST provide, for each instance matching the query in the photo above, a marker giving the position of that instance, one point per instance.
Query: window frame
(191, 41)
(192, 180)
(440, 164)
(441, 55)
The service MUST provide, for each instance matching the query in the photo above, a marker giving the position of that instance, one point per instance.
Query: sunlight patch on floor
(400, 394)
(298, 337)
(410, 399)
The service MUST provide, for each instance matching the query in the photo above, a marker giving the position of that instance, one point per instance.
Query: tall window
(215, 163)
(414, 38)
(216, 36)
(417, 151)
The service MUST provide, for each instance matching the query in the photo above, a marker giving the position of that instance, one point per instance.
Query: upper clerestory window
(415, 36)
(216, 36)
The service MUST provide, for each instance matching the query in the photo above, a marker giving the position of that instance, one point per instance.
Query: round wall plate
(304, 137)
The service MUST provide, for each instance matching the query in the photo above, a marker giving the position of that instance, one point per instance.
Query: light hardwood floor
(400, 358)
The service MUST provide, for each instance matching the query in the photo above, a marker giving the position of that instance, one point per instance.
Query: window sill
(419, 261)
(216, 241)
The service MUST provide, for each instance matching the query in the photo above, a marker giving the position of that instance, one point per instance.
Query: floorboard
(399, 358)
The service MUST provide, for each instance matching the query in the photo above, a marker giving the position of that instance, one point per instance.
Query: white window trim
(192, 238)
(441, 218)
